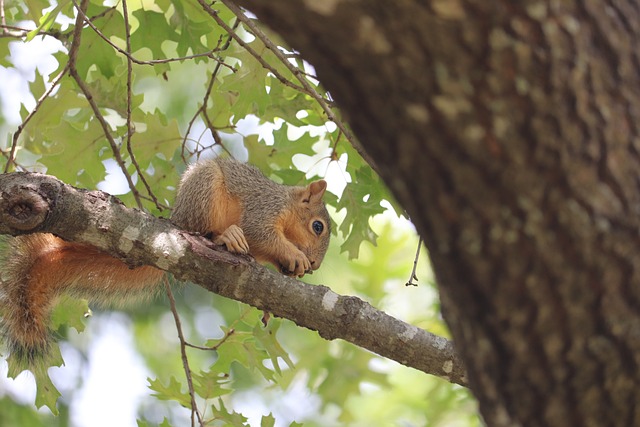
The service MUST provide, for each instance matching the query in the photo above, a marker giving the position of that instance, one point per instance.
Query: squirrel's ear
(315, 190)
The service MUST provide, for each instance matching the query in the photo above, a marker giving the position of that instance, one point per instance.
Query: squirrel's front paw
(233, 238)
(296, 264)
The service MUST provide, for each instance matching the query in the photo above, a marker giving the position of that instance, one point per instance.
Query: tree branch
(31, 202)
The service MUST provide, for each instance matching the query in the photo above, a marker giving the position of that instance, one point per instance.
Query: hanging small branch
(415, 265)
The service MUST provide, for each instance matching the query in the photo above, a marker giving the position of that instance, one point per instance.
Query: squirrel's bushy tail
(37, 268)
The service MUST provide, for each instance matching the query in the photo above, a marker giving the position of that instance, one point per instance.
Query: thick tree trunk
(509, 132)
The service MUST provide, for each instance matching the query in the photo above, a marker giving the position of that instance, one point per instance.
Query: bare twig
(214, 14)
(130, 129)
(207, 94)
(3, 19)
(227, 335)
(102, 14)
(183, 352)
(12, 31)
(415, 265)
(214, 131)
(16, 134)
(73, 53)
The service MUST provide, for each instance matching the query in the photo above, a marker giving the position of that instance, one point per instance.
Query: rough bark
(509, 132)
(31, 202)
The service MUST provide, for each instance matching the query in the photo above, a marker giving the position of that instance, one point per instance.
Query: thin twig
(12, 31)
(183, 352)
(415, 265)
(214, 14)
(214, 131)
(127, 37)
(107, 133)
(130, 129)
(207, 94)
(334, 147)
(3, 19)
(73, 53)
(16, 134)
(102, 14)
(226, 336)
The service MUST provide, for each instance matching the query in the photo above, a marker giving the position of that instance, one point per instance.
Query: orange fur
(293, 229)
(40, 267)
(225, 209)
(278, 248)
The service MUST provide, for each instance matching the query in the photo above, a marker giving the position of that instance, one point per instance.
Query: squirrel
(233, 203)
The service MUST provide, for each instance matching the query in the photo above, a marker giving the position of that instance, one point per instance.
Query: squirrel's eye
(318, 227)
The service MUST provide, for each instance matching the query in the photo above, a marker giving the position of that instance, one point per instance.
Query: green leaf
(4, 52)
(47, 20)
(191, 34)
(71, 312)
(172, 391)
(260, 154)
(152, 32)
(230, 418)
(243, 348)
(361, 200)
(286, 102)
(278, 157)
(266, 336)
(291, 176)
(341, 377)
(35, 8)
(164, 423)
(247, 84)
(219, 112)
(96, 53)
(236, 349)
(37, 86)
(154, 135)
(46, 393)
(39, 370)
(68, 138)
(111, 92)
(267, 421)
(53, 109)
(211, 384)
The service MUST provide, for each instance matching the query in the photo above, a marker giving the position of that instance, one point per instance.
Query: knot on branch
(23, 209)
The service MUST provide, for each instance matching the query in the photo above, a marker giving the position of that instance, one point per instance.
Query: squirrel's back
(218, 193)
(213, 193)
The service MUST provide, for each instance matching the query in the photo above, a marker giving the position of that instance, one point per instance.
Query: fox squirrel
(232, 202)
